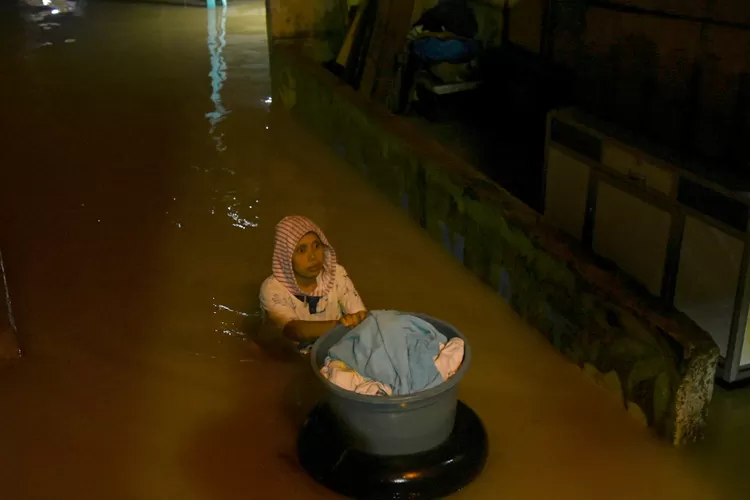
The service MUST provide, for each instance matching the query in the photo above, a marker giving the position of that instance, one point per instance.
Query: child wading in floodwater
(309, 292)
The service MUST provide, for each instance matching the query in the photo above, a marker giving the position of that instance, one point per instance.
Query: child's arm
(349, 300)
(275, 304)
(307, 331)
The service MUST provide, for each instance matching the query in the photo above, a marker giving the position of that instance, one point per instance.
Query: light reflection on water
(233, 322)
(217, 28)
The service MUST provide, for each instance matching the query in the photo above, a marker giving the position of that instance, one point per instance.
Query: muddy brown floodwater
(143, 171)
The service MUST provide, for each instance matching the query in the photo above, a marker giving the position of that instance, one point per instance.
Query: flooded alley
(144, 168)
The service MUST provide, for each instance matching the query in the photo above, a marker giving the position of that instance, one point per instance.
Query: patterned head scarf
(288, 233)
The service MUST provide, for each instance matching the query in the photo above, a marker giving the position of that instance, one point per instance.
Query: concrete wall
(11, 24)
(525, 22)
(679, 76)
(9, 349)
(305, 18)
(660, 365)
(299, 19)
(682, 81)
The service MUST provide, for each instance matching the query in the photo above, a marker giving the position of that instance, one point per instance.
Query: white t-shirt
(281, 307)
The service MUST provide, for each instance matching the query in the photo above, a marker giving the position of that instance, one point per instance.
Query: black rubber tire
(324, 453)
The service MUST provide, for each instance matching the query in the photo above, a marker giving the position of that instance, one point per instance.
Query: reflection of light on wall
(55, 11)
(216, 43)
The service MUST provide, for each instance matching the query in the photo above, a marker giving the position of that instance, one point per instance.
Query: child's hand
(352, 320)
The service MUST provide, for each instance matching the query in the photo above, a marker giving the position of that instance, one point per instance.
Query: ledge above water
(657, 362)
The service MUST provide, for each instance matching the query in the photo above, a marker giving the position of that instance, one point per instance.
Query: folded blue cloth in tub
(395, 349)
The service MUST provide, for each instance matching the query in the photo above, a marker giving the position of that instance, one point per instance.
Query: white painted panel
(633, 234)
(707, 278)
(567, 190)
(633, 165)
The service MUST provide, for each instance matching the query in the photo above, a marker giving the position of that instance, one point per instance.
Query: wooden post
(389, 37)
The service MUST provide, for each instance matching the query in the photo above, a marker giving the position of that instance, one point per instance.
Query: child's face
(308, 257)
